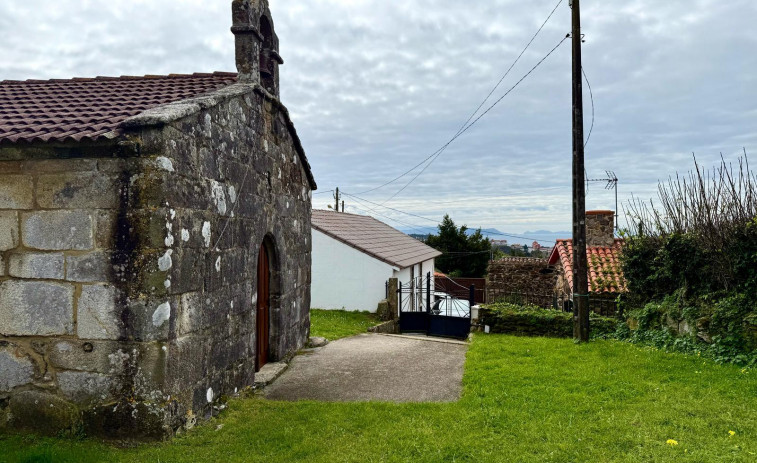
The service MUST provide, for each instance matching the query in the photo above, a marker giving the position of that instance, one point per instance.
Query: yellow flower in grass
(672, 442)
(731, 433)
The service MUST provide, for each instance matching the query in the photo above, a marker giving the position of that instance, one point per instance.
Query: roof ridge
(122, 77)
(372, 237)
(330, 211)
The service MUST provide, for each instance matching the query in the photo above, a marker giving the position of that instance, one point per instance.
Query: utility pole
(336, 197)
(580, 263)
(342, 205)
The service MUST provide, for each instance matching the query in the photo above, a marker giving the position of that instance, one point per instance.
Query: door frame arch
(272, 317)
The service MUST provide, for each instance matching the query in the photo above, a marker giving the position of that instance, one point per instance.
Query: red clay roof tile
(605, 272)
(59, 110)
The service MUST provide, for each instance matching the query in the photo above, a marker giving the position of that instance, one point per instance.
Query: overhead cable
(462, 127)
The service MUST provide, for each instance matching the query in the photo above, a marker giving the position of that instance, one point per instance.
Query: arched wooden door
(262, 318)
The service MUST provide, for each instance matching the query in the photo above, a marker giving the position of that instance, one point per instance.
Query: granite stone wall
(521, 280)
(56, 283)
(128, 269)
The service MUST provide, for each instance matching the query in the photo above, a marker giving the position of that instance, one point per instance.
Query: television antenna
(611, 183)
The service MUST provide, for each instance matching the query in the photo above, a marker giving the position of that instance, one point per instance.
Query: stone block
(43, 412)
(97, 315)
(11, 167)
(77, 191)
(15, 368)
(61, 165)
(91, 267)
(186, 275)
(16, 192)
(57, 230)
(8, 230)
(112, 165)
(105, 223)
(128, 421)
(36, 265)
(35, 308)
(84, 388)
(151, 319)
(188, 362)
(189, 318)
(95, 356)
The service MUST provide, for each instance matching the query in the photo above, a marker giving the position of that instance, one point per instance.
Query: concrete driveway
(375, 367)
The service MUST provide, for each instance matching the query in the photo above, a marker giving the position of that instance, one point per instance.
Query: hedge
(534, 321)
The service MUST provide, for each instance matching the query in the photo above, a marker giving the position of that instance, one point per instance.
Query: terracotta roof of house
(522, 259)
(373, 237)
(62, 110)
(605, 272)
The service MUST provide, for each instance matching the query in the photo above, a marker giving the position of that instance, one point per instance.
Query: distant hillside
(545, 237)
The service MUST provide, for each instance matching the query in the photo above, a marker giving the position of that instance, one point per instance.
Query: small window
(267, 66)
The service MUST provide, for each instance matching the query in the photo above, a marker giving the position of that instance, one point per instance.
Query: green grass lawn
(524, 399)
(337, 324)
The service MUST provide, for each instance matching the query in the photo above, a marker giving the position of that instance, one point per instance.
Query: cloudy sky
(376, 86)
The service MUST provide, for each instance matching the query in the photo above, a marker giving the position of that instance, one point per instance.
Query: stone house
(603, 251)
(155, 244)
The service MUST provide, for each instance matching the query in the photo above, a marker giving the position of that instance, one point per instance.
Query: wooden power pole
(580, 263)
(336, 197)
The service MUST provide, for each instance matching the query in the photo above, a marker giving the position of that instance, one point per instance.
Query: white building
(354, 256)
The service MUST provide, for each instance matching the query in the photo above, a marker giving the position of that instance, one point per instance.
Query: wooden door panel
(262, 319)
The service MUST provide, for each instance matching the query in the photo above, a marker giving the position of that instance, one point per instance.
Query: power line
(441, 150)
(512, 195)
(435, 221)
(390, 218)
(391, 208)
(591, 94)
(462, 128)
(466, 252)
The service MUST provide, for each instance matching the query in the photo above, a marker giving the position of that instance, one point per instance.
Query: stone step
(317, 341)
(269, 373)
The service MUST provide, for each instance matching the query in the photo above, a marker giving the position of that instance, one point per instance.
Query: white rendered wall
(345, 278)
(418, 270)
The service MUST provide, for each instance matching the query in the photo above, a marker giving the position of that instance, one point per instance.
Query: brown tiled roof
(78, 109)
(373, 237)
(605, 272)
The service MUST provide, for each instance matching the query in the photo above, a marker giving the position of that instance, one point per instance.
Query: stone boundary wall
(528, 279)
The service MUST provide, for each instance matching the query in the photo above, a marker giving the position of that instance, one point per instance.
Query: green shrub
(681, 278)
(529, 320)
(721, 330)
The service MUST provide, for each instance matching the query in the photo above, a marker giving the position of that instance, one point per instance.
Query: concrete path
(375, 367)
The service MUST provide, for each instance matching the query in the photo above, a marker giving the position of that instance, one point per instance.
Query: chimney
(247, 40)
(600, 228)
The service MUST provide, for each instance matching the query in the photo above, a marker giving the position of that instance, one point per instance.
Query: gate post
(428, 292)
(472, 296)
(392, 298)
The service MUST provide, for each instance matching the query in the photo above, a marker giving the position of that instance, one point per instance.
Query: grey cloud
(374, 86)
